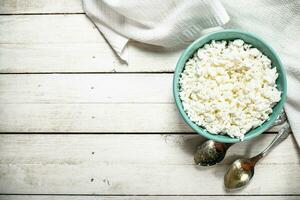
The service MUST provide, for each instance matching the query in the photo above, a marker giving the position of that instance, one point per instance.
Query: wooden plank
(88, 103)
(65, 197)
(45, 29)
(40, 6)
(70, 43)
(86, 88)
(95, 118)
(136, 165)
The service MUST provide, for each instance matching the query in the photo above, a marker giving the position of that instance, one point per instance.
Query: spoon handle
(282, 135)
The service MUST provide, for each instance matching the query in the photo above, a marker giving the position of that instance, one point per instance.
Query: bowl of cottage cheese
(229, 86)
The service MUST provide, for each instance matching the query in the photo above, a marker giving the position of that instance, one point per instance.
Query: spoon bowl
(239, 174)
(210, 153)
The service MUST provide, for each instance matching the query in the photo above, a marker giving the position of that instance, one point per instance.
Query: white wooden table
(77, 123)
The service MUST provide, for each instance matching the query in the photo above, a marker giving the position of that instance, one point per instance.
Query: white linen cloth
(167, 23)
(175, 23)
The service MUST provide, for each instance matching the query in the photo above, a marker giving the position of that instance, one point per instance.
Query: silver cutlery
(241, 171)
(211, 152)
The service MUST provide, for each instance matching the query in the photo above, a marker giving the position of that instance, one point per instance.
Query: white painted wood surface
(52, 36)
(87, 88)
(40, 6)
(95, 118)
(70, 43)
(142, 164)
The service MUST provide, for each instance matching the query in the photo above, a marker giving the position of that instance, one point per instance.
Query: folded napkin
(167, 23)
(175, 23)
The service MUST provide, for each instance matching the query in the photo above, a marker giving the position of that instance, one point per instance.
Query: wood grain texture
(89, 103)
(87, 88)
(135, 164)
(40, 6)
(70, 43)
(93, 118)
(65, 197)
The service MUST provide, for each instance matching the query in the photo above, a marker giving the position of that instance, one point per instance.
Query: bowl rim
(201, 130)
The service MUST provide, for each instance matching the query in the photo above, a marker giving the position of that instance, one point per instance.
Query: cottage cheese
(229, 87)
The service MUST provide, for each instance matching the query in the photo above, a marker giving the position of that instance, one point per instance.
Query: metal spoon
(211, 152)
(241, 171)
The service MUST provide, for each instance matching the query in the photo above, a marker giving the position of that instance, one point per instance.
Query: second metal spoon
(241, 171)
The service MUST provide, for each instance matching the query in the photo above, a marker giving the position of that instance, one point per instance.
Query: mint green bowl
(228, 35)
